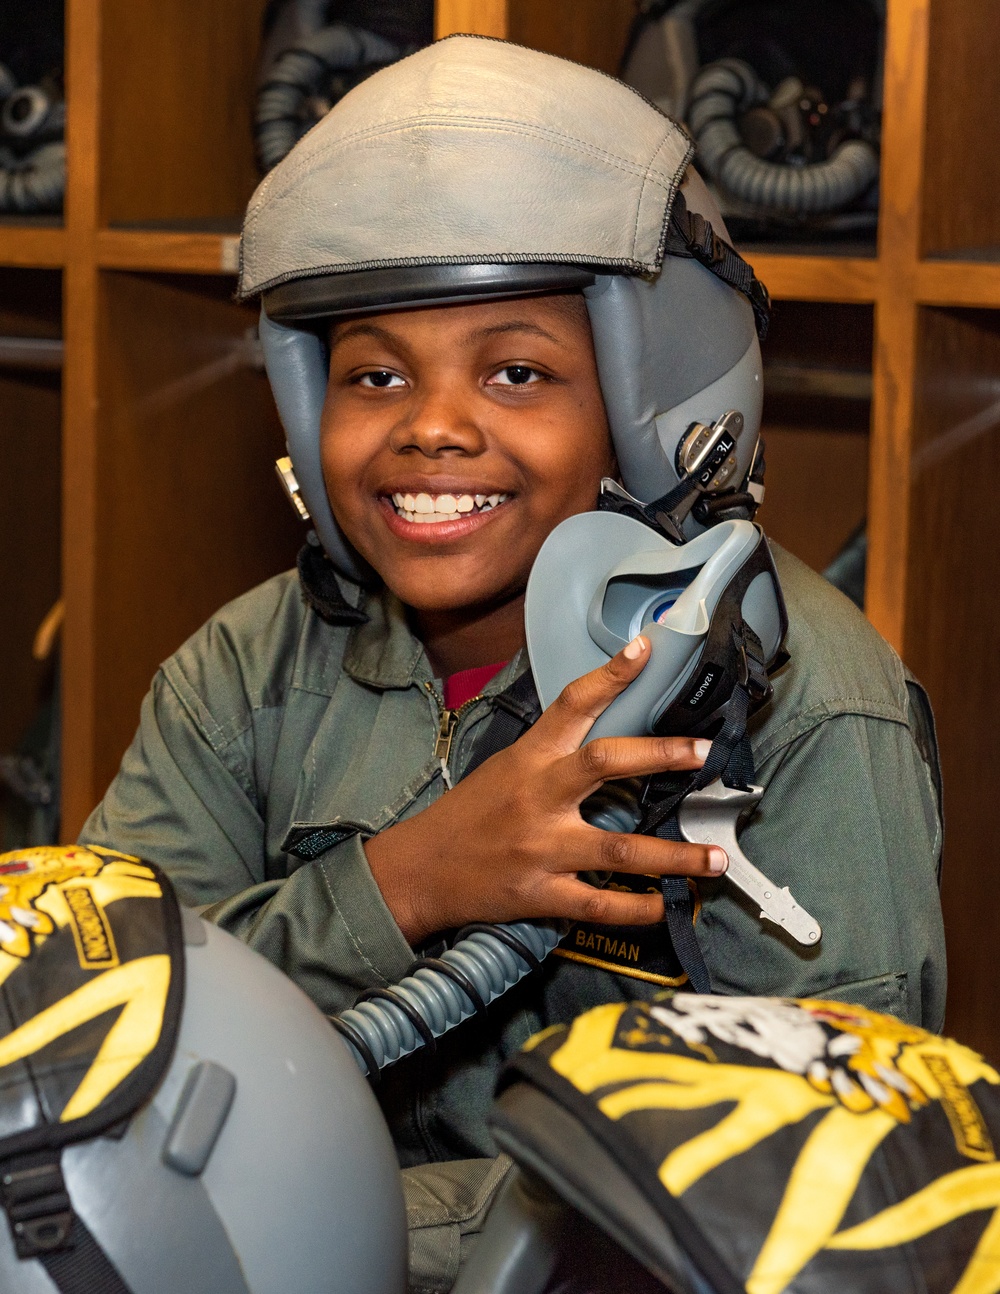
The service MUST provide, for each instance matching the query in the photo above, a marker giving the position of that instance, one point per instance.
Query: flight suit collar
(383, 652)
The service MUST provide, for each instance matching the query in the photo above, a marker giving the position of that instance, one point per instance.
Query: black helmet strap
(691, 237)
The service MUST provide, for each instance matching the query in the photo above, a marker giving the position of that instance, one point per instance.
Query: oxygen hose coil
(729, 87)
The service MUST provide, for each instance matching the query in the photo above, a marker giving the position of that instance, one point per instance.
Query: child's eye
(516, 375)
(382, 379)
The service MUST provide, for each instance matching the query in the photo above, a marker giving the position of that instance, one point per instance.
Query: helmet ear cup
(296, 363)
(671, 351)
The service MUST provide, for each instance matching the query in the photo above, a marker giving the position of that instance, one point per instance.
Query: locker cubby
(30, 502)
(817, 413)
(192, 514)
(960, 216)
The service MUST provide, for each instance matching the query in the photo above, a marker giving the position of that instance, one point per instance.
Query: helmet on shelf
(476, 169)
(783, 102)
(32, 108)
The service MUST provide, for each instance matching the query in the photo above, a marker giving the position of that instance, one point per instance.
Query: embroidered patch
(95, 944)
(640, 952)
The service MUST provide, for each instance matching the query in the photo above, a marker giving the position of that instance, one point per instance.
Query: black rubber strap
(730, 758)
(678, 911)
(505, 937)
(515, 710)
(411, 1013)
(321, 589)
(457, 977)
(84, 1268)
(691, 237)
(44, 1225)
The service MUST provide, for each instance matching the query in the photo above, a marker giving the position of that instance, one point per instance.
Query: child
(473, 243)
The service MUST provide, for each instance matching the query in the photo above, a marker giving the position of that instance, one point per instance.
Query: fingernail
(717, 861)
(635, 648)
(701, 749)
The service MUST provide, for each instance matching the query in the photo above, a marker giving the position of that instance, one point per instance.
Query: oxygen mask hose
(387, 1024)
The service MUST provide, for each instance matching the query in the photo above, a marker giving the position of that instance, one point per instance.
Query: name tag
(640, 952)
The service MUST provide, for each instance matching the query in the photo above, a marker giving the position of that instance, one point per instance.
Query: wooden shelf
(164, 251)
(958, 283)
(847, 280)
(32, 246)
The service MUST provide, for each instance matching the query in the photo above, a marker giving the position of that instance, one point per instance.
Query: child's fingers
(615, 851)
(572, 714)
(609, 758)
(575, 900)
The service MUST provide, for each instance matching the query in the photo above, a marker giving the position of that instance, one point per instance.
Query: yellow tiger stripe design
(967, 1190)
(819, 1189)
(140, 987)
(691, 1085)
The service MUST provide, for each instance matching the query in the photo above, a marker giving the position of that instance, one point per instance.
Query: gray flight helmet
(261, 1165)
(401, 198)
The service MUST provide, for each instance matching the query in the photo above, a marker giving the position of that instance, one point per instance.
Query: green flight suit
(271, 731)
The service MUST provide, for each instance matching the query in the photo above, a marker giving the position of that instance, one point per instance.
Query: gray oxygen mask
(715, 618)
(600, 578)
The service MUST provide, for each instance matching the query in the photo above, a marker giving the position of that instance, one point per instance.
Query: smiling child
(439, 261)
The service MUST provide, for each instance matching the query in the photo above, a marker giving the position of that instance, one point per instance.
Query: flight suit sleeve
(849, 822)
(185, 799)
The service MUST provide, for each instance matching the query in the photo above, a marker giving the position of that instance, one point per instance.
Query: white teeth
(428, 509)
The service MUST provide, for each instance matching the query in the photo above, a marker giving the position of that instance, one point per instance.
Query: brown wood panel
(176, 108)
(816, 278)
(904, 105)
(80, 495)
(476, 17)
(817, 410)
(41, 246)
(29, 569)
(181, 253)
(588, 31)
(817, 480)
(191, 514)
(957, 283)
(961, 177)
(29, 504)
(953, 636)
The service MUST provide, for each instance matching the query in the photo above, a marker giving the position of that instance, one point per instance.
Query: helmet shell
(301, 1192)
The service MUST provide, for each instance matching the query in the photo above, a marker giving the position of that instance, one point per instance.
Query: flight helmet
(476, 169)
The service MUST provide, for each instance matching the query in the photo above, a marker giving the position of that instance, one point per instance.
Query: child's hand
(507, 842)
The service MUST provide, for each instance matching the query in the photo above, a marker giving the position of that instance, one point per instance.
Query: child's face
(455, 438)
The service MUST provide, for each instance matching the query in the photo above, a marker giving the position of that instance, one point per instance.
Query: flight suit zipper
(448, 721)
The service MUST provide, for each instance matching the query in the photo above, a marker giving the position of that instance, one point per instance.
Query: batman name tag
(640, 952)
